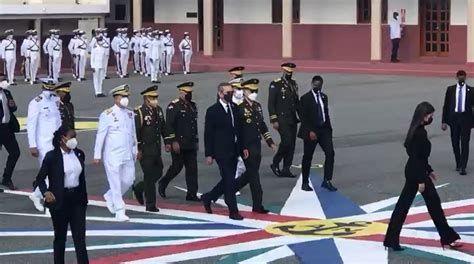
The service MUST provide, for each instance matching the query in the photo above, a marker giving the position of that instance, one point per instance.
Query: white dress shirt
(463, 107)
(395, 29)
(321, 103)
(72, 169)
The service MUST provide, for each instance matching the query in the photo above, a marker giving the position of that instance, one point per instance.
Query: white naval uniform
(43, 120)
(186, 49)
(147, 48)
(55, 55)
(97, 63)
(8, 54)
(135, 47)
(123, 50)
(116, 145)
(169, 52)
(155, 54)
(240, 162)
(33, 55)
(26, 59)
(46, 52)
(144, 66)
(72, 46)
(81, 59)
(106, 45)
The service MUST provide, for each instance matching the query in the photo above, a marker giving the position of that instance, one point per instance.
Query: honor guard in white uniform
(33, 55)
(186, 49)
(97, 63)
(155, 50)
(116, 146)
(147, 49)
(143, 63)
(72, 47)
(120, 45)
(55, 53)
(115, 49)
(8, 54)
(46, 52)
(81, 52)
(43, 120)
(169, 51)
(135, 48)
(106, 45)
(25, 65)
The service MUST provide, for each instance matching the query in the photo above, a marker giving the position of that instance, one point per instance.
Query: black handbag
(14, 124)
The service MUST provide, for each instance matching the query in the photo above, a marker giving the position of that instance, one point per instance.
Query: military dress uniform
(32, 55)
(181, 117)
(253, 130)
(135, 47)
(186, 49)
(283, 106)
(25, 67)
(66, 108)
(8, 54)
(150, 126)
(116, 145)
(168, 42)
(54, 50)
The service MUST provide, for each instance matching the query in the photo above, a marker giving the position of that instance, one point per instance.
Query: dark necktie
(229, 114)
(459, 110)
(320, 121)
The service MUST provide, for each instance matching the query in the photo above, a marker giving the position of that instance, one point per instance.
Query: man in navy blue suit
(222, 143)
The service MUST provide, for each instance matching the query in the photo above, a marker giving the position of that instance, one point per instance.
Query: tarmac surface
(370, 116)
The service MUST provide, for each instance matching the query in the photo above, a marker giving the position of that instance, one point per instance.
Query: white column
(470, 31)
(287, 28)
(208, 30)
(376, 30)
(137, 13)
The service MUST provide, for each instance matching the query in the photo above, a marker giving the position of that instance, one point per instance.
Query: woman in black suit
(419, 177)
(66, 196)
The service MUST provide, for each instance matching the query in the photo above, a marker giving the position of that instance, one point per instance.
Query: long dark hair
(422, 109)
(58, 134)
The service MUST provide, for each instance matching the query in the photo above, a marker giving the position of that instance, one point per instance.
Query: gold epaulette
(170, 136)
(267, 135)
(175, 101)
(273, 116)
(108, 111)
(138, 107)
(277, 80)
(38, 98)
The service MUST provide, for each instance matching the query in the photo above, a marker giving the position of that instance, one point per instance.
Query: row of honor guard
(152, 54)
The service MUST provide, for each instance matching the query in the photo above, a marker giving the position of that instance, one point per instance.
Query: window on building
(277, 11)
(364, 11)
(120, 12)
(148, 11)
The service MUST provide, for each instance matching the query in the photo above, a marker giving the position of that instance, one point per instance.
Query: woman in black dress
(419, 177)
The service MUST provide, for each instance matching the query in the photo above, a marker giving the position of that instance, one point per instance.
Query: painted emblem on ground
(314, 227)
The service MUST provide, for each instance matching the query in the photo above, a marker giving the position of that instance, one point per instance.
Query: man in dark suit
(316, 129)
(457, 114)
(222, 143)
(8, 127)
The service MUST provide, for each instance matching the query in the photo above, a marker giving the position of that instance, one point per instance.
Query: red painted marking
(415, 218)
(188, 247)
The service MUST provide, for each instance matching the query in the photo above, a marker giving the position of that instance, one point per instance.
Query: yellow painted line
(80, 125)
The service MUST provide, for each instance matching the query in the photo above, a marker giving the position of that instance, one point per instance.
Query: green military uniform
(252, 131)
(66, 108)
(181, 116)
(150, 126)
(282, 106)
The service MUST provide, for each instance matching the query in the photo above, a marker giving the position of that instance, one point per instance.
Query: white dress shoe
(37, 202)
(110, 205)
(121, 216)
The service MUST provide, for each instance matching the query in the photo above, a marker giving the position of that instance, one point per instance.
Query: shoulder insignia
(138, 107)
(38, 98)
(108, 111)
(175, 101)
(277, 80)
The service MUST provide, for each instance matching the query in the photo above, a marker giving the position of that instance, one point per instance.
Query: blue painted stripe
(134, 226)
(319, 251)
(334, 204)
(459, 229)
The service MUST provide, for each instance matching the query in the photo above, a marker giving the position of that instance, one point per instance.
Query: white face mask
(71, 143)
(239, 94)
(49, 94)
(124, 101)
(253, 96)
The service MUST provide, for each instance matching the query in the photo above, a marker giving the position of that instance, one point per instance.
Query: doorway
(434, 20)
(218, 24)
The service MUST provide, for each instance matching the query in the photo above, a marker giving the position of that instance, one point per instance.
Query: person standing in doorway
(457, 114)
(186, 49)
(395, 35)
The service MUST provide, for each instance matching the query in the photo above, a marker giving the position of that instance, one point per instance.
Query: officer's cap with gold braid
(237, 70)
(122, 90)
(9, 32)
(251, 84)
(236, 82)
(150, 91)
(187, 86)
(48, 84)
(288, 66)
(63, 87)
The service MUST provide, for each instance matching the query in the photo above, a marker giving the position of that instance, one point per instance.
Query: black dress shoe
(106, 77)
(395, 248)
(260, 210)
(207, 204)
(161, 190)
(288, 174)
(152, 209)
(9, 185)
(275, 170)
(192, 198)
(138, 196)
(102, 95)
(328, 185)
(463, 171)
(236, 216)
(306, 187)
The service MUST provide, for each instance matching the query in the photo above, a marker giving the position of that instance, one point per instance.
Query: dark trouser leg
(282, 148)
(455, 140)
(59, 218)
(152, 171)
(392, 237)
(175, 168)
(77, 221)
(465, 138)
(190, 162)
(288, 157)
(8, 139)
(252, 165)
(433, 203)
(309, 147)
(227, 184)
(325, 141)
(395, 46)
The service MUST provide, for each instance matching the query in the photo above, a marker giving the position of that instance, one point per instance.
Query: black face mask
(188, 96)
(67, 98)
(461, 81)
(288, 75)
(228, 97)
(430, 120)
(317, 88)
